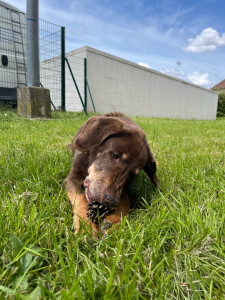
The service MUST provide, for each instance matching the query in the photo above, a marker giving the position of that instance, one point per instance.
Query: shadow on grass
(141, 188)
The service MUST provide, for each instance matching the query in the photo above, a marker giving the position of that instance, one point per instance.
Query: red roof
(220, 85)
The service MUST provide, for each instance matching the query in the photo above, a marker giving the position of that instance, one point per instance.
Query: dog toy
(97, 211)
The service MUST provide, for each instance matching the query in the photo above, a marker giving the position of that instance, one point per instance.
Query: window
(4, 60)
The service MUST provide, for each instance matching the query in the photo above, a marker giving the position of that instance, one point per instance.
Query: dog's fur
(109, 150)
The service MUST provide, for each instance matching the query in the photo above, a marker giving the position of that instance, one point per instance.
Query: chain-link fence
(13, 54)
(13, 61)
(50, 59)
(76, 63)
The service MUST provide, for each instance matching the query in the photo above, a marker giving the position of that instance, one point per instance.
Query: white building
(120, 85)
(115, 84)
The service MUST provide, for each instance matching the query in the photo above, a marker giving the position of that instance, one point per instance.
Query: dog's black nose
(109, 200)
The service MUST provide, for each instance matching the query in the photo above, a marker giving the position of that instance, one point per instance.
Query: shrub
(221, 105)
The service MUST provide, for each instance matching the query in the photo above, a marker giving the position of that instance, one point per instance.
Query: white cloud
(175, 73)
(208, 40)
(199, 78)
(144, 64)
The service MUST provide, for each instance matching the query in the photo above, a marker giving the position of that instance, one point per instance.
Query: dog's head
(117, 149)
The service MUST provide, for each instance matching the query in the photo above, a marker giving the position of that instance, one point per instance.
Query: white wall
(76, 61)
(51, 79)
(50, 76)
(12, 28)
(119, 85)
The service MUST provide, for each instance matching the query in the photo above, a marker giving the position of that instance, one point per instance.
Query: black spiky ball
(97, 211)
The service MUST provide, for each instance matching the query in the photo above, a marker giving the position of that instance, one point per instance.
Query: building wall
(76, 61)
(51, 79)
(119, 85)
(12, 46)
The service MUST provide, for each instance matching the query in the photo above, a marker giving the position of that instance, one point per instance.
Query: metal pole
(85, 84)
(33, 63)
(90, 95)
(74, 81)
(63, 73)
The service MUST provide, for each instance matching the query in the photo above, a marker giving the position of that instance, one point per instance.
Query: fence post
(63, 73)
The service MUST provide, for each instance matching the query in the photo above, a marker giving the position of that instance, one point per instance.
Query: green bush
(221, 105)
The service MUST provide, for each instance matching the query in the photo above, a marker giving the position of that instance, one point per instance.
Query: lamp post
(33, 62)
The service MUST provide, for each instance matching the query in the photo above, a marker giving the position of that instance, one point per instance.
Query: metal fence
(67, 87)
(13, 54)
(50, 59)
(73, 102)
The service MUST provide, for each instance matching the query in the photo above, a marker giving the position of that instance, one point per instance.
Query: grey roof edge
(90, 49)
(9, 6)
(79, 50)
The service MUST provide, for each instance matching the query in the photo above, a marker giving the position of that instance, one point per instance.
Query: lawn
(172, 246)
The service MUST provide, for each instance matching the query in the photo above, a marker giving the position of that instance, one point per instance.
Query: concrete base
(33, 102)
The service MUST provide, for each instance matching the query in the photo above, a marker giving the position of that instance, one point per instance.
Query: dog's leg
(79, 204)
(114, 219)
(80, 214)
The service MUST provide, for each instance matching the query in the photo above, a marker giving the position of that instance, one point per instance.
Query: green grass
(172, 246)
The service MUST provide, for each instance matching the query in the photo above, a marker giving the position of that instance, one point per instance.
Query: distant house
(220, 87)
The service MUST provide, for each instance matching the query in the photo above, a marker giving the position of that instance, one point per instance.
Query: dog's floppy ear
(150, 169)
(95, 131)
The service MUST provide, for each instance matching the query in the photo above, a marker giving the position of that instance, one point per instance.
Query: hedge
(221, 105)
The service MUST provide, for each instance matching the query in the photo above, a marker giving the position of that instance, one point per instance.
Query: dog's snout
(86, 182)
(109, 200)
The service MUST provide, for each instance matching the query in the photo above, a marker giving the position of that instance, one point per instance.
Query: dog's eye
(115, 155)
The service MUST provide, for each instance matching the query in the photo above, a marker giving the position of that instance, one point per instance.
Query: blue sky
(185, 39)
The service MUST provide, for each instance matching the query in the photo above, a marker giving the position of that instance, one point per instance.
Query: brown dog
(109, 150)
